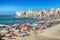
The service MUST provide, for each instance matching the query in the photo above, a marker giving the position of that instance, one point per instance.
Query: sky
(8, 7)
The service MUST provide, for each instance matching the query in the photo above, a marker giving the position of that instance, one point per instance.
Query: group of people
(24, 29)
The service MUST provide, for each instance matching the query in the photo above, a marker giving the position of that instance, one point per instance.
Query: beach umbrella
(34, 25)
(2, 26)
(51, 21)
(22, 26)
(4, 31)
(7, 26)
(27, 24)
(15, 25)
(53, 32)
(42, 21)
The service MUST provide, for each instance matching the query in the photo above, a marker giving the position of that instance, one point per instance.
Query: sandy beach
(37, 36)
(33, 37)
(40, 36)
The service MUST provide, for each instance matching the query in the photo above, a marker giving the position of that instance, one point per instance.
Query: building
(39, 13)
(58, 10)
(20, 13)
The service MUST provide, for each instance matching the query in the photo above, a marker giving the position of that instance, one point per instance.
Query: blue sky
(11, 6)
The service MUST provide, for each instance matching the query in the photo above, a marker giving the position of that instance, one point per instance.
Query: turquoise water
(13, 20)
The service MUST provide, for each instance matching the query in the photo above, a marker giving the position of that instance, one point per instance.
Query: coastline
(33, 36)
(38, 36)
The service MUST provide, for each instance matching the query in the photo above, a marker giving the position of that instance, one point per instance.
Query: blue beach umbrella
(34, 25)
(16, 25)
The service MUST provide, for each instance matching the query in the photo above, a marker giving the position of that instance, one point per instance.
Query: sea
(8, 20)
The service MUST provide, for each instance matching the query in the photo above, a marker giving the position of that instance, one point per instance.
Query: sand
(33, 37)
(52, 33)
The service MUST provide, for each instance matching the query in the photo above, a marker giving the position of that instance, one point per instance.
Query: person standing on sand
(40, 28)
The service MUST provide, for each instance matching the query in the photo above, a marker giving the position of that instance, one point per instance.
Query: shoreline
(33, 36)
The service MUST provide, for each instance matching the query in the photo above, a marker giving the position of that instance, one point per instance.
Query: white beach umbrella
(4, 31)
(42, 21)
(7, 26)
(34, 25)
(1, 25)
